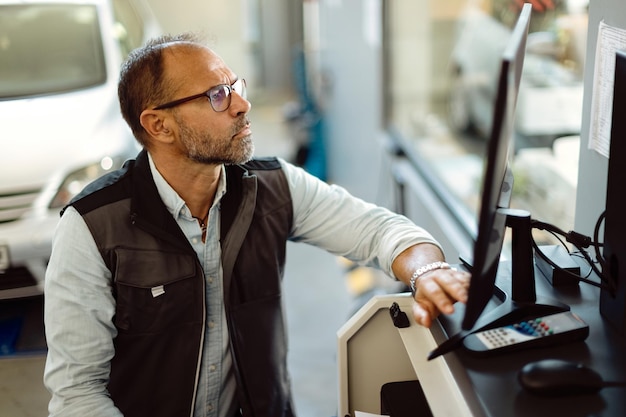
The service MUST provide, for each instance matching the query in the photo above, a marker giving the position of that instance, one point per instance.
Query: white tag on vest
(156, 291)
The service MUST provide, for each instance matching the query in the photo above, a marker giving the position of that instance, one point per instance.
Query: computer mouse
(555, 377)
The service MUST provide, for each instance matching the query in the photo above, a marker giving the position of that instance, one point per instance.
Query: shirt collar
(173, 202)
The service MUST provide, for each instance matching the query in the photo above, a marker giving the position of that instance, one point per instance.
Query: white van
(60, 118)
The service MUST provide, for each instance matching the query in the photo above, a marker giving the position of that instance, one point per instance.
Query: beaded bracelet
(424, 269)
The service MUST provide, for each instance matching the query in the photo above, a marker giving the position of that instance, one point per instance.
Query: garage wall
(254, 37)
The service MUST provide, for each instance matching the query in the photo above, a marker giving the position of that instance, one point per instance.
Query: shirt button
(210, 407)
(211, 324)
(212, 368)
(210, 280)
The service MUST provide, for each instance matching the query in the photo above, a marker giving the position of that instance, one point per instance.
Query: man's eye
(218, 94)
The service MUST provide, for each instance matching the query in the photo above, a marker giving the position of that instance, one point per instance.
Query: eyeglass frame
(230, 88)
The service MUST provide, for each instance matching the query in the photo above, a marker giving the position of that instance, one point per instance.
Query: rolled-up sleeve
(78, 314)
(329, 217)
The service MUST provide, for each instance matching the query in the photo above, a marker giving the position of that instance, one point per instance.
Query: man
(163, 288)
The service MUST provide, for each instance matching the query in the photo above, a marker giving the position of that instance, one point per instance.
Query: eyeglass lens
(220, 96)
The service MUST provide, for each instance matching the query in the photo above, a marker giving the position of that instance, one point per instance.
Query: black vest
(158, 347)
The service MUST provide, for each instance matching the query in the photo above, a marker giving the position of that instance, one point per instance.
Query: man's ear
(156, 125)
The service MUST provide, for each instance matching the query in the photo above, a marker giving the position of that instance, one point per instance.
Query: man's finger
(421, 315)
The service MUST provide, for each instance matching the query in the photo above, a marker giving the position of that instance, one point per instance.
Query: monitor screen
(497, 179)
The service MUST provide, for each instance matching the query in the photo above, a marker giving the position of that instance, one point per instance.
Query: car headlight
(75, 181)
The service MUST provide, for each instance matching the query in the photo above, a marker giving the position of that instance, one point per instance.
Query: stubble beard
(207, 148)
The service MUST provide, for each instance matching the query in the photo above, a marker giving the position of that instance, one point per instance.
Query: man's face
(205, 135)
(208, 147)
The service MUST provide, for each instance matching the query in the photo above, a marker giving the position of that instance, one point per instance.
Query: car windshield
(49, 48)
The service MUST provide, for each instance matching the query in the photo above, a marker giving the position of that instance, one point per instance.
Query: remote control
(543, 331)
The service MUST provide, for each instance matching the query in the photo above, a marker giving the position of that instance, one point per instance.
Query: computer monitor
(613, 300)
(495, 215)
(497, 179)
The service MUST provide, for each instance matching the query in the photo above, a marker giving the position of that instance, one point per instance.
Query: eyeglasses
(219, 96)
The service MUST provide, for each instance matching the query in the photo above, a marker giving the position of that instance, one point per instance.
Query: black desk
(495, 378)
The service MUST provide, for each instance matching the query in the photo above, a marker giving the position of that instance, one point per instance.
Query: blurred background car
(551, 93)
(60, 118)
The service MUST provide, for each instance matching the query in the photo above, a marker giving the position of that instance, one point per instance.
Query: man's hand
(436, 292)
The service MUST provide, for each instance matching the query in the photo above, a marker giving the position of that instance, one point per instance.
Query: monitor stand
(523, 302)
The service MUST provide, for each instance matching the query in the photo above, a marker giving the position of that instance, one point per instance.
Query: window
(49, 48)
(442, 60)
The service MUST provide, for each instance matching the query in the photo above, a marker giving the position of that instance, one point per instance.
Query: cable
(600, 257)
(580, 241)
(578, 254)
(573, 237)
(568, 273)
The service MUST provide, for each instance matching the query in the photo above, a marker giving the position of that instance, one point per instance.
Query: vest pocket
(156, 290)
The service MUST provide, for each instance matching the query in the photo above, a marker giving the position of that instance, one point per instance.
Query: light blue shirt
(80, 306)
